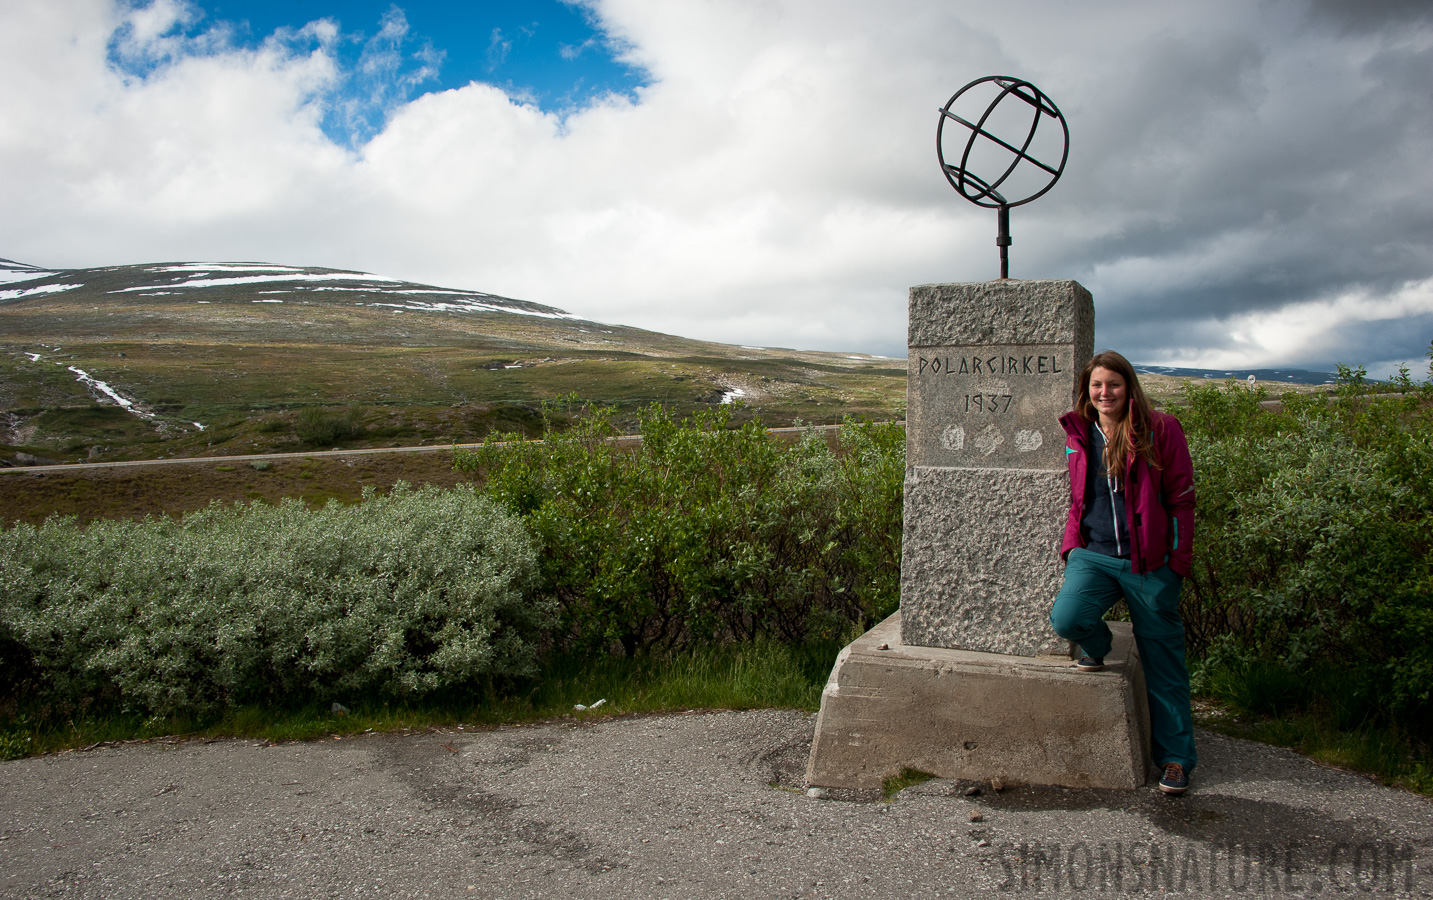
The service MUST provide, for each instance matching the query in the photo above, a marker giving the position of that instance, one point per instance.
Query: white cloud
(385, 76)
(144, 32)
(1288, 333)
(498, 49)
(1232, 166)
(574, 51)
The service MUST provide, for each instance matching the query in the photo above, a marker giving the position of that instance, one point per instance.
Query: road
(319, 454)
(701, 805)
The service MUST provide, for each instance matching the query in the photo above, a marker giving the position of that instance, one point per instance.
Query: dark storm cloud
(1225, 175)
(1370, 15)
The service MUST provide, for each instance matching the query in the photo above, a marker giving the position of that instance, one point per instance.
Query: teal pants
(1094, 583)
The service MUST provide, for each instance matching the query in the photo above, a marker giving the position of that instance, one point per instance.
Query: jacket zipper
(1114, 510)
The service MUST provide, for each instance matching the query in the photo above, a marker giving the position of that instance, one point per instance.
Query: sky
(1249, 182)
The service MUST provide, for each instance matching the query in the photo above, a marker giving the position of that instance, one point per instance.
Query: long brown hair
(1132, 436)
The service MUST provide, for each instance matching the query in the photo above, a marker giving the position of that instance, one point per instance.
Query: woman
(1129, 534)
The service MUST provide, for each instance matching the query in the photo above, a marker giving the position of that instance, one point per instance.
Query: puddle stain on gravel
(783, 764)
(495, 826)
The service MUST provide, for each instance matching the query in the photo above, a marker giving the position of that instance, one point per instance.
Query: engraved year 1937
(991, 403)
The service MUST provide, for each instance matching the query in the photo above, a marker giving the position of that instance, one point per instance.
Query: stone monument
(968, 680)
(990, 373)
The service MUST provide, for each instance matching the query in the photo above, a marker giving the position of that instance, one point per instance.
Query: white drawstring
(1114, 510)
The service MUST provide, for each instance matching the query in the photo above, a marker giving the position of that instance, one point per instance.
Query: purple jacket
(1158, 502)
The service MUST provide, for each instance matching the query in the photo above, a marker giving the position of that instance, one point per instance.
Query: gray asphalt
(701, 805)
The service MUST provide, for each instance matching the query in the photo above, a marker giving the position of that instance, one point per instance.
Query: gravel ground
(682, 806)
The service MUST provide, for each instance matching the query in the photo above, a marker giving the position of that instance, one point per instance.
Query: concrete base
(979, 716)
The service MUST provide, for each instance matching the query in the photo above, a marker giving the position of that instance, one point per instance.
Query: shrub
(16, 742)
(321, 427)
(401, 595)
(1315, 537)
(704, 531)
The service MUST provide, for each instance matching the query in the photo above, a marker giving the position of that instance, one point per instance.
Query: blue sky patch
(544, 52)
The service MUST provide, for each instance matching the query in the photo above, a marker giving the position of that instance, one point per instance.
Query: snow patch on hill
(260, 279)
(126, 404)
(8, 275)
(37, 291)
(11, 271)
(474, 306)
(222, 267)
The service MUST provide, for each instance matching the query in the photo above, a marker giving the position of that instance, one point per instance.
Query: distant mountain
(259, 283)
(1292, 376)
(209, 358)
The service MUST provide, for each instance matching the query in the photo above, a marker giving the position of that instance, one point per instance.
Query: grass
(269, 378)
(1389, 755)
(174, 490)
(1320, 715)
(760, 675)
(133, 493)
(764, 674)
(902, 780)
(383, 402)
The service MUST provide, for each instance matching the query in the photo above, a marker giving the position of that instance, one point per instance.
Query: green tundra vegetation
(708, 564)
(705, 533)
(1311, 605)
(225, 369)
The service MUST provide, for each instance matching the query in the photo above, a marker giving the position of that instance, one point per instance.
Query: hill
(196, 359)
(1285, 376)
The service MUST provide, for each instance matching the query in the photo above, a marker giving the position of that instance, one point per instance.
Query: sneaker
(1090, 664)
(1174, 780)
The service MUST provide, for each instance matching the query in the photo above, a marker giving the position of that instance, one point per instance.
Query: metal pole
(1002, 239)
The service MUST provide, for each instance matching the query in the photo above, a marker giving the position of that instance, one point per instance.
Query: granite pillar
(990, 372)
(968, 680)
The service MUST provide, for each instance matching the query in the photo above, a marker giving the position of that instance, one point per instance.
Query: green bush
(16, 742)
(1315, 540)
(401, 595)
(704, 531)
(319, 427)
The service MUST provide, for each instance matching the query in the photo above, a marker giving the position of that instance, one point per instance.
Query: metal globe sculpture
(995, 130)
